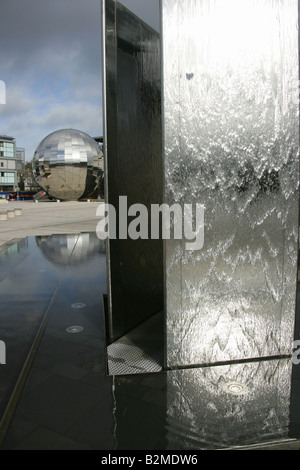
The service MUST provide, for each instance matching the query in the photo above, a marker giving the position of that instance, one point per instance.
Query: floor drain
(78, 305)
(74, 329)
(235, 388)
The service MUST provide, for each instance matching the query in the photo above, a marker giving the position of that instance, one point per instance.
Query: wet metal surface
(69, 402)
(231, 143)
(133, 163)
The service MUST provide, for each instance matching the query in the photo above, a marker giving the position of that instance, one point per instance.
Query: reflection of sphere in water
(68, 164)
(70, 249)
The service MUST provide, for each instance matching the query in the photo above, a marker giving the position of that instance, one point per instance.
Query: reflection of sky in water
(29, 281)
(70, 249)
(48, 256)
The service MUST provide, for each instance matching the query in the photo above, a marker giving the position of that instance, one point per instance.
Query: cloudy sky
(50, 62)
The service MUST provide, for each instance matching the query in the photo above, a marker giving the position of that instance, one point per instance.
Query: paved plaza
(47, 218)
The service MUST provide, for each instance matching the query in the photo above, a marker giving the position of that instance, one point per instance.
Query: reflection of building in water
(70, 248)
(68, 164)
(12, 255)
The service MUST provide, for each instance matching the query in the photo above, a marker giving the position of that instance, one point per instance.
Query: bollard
(3, 216)
(18, 211)
(11, 214)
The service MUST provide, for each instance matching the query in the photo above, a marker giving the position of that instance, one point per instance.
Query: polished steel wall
(231, 143)
(229, 406)
(133, 162)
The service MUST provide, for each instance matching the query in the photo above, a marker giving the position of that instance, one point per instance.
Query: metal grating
(140, 351)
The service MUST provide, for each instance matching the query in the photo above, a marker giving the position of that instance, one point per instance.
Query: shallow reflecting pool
(52, 321)
(37, 279)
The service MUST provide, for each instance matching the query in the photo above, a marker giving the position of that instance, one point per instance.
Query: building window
(7, 177)
(9, 150)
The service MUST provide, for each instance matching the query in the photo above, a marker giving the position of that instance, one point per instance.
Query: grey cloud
(36, 31)
(50, 60)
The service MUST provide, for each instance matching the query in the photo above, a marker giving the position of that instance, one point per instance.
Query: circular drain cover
(78, 305)
(74, 329)
(235, 388)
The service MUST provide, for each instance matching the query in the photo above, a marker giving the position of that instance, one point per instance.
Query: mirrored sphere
(68, 164)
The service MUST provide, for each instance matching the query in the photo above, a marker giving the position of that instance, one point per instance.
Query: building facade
(12, 164)
(8, 164)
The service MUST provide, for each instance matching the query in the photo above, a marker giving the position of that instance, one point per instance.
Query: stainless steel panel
(139, 351)
(133, 161)
(231, 143)
(229, 406)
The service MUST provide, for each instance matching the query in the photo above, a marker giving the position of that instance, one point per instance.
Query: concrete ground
(46, 218)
